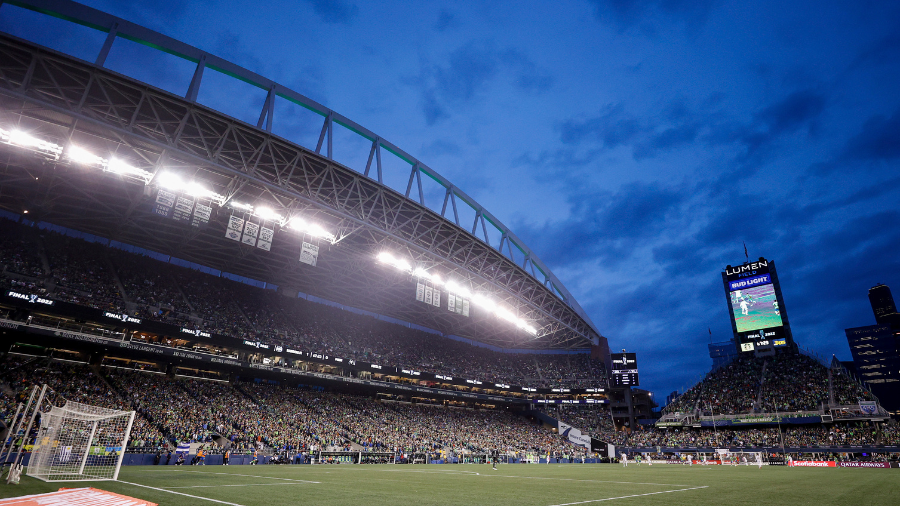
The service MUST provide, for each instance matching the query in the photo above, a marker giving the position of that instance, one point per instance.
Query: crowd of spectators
(91, 274)
(790, 436)
(19, 251)
(249, 415)
(81, 273)
(787, 382)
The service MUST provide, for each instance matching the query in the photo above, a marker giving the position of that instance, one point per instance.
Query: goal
(80, 442)
(746, 458)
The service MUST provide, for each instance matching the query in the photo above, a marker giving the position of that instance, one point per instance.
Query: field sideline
(525, 485)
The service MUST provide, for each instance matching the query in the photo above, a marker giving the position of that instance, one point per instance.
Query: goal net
(80, 442)
(744, 458)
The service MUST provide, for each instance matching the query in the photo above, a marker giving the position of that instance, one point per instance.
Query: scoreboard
(624, 370)
(758, 316)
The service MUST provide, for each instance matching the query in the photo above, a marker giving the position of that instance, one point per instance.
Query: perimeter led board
(757, 311)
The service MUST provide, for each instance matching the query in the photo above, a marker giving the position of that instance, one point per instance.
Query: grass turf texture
(522, 485)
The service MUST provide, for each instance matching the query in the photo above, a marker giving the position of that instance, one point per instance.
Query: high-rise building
(883, 305)
(877, 362)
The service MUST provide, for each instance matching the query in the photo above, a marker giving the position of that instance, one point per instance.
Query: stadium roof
(151, 134)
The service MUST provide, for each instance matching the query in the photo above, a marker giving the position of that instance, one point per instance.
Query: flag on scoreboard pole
(265, 238)
(420, 291)
(235, 226)
(251, 230)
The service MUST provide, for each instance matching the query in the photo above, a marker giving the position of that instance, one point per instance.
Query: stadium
(185, 289)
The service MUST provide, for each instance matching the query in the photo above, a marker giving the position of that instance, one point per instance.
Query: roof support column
(107, 45)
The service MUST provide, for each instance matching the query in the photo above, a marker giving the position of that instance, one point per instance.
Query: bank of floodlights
(479, 299)
(27, 141)
(295, 223)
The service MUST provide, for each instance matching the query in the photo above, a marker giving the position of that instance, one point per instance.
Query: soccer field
(526, 485)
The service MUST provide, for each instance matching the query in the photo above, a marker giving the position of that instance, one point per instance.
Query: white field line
(233, 474)
(239, 485)
(181, 493)
(628, 496)
(453, 471)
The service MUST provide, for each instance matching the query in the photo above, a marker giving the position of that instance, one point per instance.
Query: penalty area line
(182, 493)
(628, 496)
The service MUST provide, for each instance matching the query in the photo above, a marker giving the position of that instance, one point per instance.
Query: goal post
(80, 442)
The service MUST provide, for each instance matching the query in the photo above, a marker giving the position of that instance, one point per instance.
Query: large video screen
(755, 308)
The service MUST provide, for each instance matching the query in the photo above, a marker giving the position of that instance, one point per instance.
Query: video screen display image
(755, 308)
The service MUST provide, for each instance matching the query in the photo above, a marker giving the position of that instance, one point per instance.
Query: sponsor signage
(812, 463)
(32, 299)
(122, 317)
(873, 465)
(193, 332)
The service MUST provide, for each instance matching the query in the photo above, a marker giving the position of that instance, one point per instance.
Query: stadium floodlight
(313, 229)
(170, 181)
(82, 156)
(484, 301)
(241, 206)
(452, 287)
(267, 213)
(433, 278)
(398, 263)
(24, 140)
(195, 189)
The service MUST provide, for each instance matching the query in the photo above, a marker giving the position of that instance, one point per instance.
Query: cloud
(650, 14)
(878, 140)
(445, 21)
(612, 128)
(334, 11)
(605, 227)
(467, 73)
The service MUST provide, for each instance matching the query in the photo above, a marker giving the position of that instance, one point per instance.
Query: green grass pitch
(515, 484)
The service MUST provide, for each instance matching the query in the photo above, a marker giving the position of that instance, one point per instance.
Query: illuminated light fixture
(398, 263)
(313, 229)
(119, 167)
(458, 290)
(239, 205)
(267, 214)
(197, 190)
(22, 139)
(422, 273)
(170, 181)
(83, 156)
(483, 301)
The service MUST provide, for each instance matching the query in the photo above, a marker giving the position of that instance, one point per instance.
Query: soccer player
(226, 457)
(255, 458)
(624, 459)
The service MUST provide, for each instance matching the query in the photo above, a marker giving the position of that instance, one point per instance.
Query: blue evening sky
(634, 145)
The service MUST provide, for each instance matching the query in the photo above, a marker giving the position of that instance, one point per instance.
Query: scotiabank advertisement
(812, 463)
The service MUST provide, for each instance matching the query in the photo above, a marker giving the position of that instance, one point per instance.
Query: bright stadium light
(241, 206)
(452, 287)
(484, 301)
(267, 213)
(82, 156)
(386, 258)
(197, 190)
(398, 263)
(422, 273)
(22, 139)
(313, 229)
(170, 181)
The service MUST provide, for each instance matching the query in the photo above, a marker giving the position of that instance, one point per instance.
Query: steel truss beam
(141, 123)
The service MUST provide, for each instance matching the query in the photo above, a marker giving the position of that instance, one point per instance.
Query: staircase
(757, 406)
